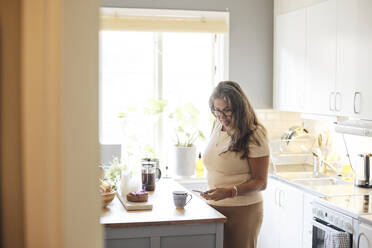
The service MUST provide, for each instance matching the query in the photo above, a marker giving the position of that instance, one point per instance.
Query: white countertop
(367, 219)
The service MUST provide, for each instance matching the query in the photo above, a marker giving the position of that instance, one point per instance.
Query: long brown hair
(244, 120)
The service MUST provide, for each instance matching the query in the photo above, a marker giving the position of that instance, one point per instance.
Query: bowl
(107, 198)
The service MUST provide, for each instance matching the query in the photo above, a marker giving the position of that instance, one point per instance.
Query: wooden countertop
(197, 211)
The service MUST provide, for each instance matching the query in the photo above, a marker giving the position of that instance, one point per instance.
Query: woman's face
(223, 112)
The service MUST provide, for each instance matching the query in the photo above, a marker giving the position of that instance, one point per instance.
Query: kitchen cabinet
(354, 57)
(307, 232)
(269, 235)
(338, 52)
(290, 60)
(165, 226)
(321, 59)
(283, 215)
(365, 236)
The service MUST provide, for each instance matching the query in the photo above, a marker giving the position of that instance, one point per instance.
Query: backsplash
(277, 122)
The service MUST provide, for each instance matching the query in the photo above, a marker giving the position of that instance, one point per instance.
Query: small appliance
(363, 172)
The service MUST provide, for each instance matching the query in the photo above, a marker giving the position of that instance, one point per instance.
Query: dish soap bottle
(199, 167)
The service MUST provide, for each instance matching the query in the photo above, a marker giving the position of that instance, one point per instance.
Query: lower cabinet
(307, 232)
(209, 235)
(365, 236)
(283, 216)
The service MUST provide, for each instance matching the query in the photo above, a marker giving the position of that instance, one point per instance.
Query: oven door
(321, 228)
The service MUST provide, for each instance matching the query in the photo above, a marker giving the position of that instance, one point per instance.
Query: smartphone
(201, 192)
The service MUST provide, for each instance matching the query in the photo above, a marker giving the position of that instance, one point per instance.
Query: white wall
(251, 39)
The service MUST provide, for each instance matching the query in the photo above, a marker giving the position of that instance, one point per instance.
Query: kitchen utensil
(320, 139)
(363, 171)
(293, 132)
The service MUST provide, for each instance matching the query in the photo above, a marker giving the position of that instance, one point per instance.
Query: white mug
(180, 197)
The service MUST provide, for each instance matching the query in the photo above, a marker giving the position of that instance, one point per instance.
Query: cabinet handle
(330, 101)
(358, 241)
(276, 196)
(281, 198)
(357, 110)
(339, 102)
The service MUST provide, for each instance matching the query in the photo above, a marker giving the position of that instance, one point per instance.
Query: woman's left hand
(217, 194)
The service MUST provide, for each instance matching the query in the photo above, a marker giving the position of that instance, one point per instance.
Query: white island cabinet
(165, 226)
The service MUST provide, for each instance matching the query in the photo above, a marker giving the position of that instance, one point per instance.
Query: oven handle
(324, 227)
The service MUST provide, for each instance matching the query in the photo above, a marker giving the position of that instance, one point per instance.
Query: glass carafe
(149, 175)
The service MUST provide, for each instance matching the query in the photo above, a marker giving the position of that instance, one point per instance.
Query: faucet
(318, 162)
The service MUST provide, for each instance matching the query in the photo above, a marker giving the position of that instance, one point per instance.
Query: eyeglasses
(224, 113)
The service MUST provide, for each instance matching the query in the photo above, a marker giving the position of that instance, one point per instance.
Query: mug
(180, 197)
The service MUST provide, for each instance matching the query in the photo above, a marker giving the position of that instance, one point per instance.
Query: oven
(331, 227)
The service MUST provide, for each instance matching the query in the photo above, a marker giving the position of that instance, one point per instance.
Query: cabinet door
(321, 58)
(291, 205)
(354, 58)
(290, 60)
(269, 234)
(365, 236)
(307, 232)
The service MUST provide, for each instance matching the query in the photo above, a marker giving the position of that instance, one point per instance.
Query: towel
(336, 240)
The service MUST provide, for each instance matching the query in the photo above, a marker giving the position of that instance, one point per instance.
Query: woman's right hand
(217, 194)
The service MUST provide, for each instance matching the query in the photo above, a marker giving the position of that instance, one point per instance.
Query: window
(135, 66)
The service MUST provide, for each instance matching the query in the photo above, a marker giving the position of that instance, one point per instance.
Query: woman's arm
(258, 169)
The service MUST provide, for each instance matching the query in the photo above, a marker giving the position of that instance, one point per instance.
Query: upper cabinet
(335, 79)
(354, 57)
(321, 58)
(290, 56)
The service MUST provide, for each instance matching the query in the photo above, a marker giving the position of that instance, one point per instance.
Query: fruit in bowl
(107, 193)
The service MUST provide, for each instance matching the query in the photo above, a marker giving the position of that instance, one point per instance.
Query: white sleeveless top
(227, 169)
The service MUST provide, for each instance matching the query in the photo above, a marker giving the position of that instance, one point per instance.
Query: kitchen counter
(325, 190)
(367, 219)
(164, 225)
(164, 212)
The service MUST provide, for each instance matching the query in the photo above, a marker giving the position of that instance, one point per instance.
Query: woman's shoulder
(260, 133)
(259, 146)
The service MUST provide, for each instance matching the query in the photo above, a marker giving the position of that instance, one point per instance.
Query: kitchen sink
(300, 175)
(319, 181)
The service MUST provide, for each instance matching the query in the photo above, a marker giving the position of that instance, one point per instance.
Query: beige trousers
(243, 225)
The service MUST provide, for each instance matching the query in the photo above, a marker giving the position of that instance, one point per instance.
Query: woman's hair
(244, 121)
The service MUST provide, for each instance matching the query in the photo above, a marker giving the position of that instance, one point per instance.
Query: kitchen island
(165, 226)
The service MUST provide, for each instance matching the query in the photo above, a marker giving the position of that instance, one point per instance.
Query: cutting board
(135, 205)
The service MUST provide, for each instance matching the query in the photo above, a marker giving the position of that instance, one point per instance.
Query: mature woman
(237, 159)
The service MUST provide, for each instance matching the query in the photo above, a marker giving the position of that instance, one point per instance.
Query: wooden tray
(135, 205)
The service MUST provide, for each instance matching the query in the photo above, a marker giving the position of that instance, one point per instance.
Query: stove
(339, 214)
(354, 205)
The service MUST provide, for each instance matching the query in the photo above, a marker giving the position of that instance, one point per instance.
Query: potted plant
(185, 119)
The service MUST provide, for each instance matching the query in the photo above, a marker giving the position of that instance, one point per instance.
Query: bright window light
(137, 66)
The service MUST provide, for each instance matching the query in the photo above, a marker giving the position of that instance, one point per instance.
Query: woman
(237, 159)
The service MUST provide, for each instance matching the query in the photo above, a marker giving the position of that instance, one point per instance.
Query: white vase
(130, 182)
(185, 158)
